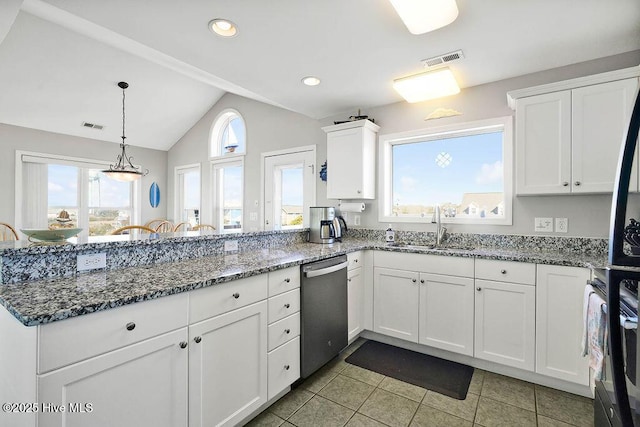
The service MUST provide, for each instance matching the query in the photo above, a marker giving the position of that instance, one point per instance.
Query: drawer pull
(287, 331)
(478, 288)
(236, 295)
(131, 326)
(286, 367)
(197, 339)
(355, 260)
(577, 183)
(183, 344)
(287, 305)
(287, 280)
(503, 271)
(565, 184)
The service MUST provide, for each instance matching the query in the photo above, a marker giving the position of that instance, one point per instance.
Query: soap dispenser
(390, 235)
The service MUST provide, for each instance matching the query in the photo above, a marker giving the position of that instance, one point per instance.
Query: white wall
(269, 128)
(588, 215)
(14, 138)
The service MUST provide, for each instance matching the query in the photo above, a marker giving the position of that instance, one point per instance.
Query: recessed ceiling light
(223, 27)
(429, 85)
(311, 81)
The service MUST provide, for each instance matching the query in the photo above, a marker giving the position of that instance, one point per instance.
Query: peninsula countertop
(48, 300)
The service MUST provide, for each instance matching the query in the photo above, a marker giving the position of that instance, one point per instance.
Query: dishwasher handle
(326, 270)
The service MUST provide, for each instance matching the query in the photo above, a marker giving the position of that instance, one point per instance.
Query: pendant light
(124, 170)
(422, 16)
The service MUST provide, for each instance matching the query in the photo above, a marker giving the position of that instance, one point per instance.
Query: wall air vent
(443, 59)
(92, 125)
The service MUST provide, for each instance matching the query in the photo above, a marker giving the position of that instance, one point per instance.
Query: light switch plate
(562, 225)
(543, 225)
(356, 220)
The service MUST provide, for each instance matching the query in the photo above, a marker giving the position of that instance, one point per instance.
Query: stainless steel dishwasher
(323, 294)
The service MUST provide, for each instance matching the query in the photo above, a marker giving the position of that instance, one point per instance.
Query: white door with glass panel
(187, 185)
(289, 189)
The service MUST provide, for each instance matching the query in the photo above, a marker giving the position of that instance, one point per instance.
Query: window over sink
(464, 168)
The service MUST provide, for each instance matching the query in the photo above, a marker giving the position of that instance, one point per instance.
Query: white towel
(594, 337)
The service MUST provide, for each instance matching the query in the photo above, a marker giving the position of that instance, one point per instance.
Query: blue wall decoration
(154, 195)
(323, 171)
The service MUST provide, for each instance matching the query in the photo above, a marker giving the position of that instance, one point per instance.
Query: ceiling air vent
(443, 59)
(92, 125)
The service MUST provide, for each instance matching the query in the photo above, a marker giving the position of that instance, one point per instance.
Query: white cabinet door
(351, 160)
(600, 116)
(395, 311)
(355, 306)
(505, 323)
(228, 366)
(559, 324)
(446, 312)
(144, 384)
(543, 144)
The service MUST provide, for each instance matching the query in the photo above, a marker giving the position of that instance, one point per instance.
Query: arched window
(228, 134)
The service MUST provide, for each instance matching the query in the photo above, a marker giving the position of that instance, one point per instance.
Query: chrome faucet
(441, 232)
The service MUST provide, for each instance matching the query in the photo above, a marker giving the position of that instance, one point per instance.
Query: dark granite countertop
(45, 301)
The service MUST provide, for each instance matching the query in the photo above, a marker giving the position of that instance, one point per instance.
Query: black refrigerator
(617, 397)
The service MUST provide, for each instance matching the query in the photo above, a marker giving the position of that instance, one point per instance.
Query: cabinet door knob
(236, 295)
(286, 367)
(358, 191)
(414, 280)
(478, 288)
(355, 260)
(287, 331)
(577, 183)
(287, 305)
(349, 279)
(183, 344)
(287, 280)
(565, 184)
(131, 326)
(503, 271)
(421, 280)
(197, 339)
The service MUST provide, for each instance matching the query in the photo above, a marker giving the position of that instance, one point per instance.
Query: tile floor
(341, 394)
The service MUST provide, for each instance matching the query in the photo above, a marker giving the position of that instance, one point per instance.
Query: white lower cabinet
(228, 366)
(395, 310)
(355, 299)
(505, 323)
(446, 312)
(144, 384)
(559, 323)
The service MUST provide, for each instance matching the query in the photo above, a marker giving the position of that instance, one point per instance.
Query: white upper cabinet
(351, 160)
(568, 134)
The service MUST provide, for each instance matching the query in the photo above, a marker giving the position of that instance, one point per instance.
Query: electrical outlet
(562, 225)
(544, 225)
(91, 261)
(230, 245)
(356, 220)
(253, 216)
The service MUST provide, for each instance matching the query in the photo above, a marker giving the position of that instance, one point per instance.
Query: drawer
(354, 259)
(68, 341)
(436, 264)
(284, 305)
(506, 271)
(218, 299)
(283, 367)
(284, 280)
(283, 330)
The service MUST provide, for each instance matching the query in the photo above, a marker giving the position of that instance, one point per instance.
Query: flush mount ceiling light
(421, 16)
(311, 81)
(223, 27)
(124, 170)
(429, 85)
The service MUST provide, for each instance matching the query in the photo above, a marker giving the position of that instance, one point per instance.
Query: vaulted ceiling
(60, 60)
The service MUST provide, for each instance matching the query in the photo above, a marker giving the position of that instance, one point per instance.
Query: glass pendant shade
(422, 16)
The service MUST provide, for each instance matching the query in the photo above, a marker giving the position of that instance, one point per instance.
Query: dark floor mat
(449, 378)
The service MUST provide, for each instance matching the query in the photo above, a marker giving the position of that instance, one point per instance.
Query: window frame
(84, 164)
(216, 194)
(385, 166)
(179, 172)
(221, 121)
